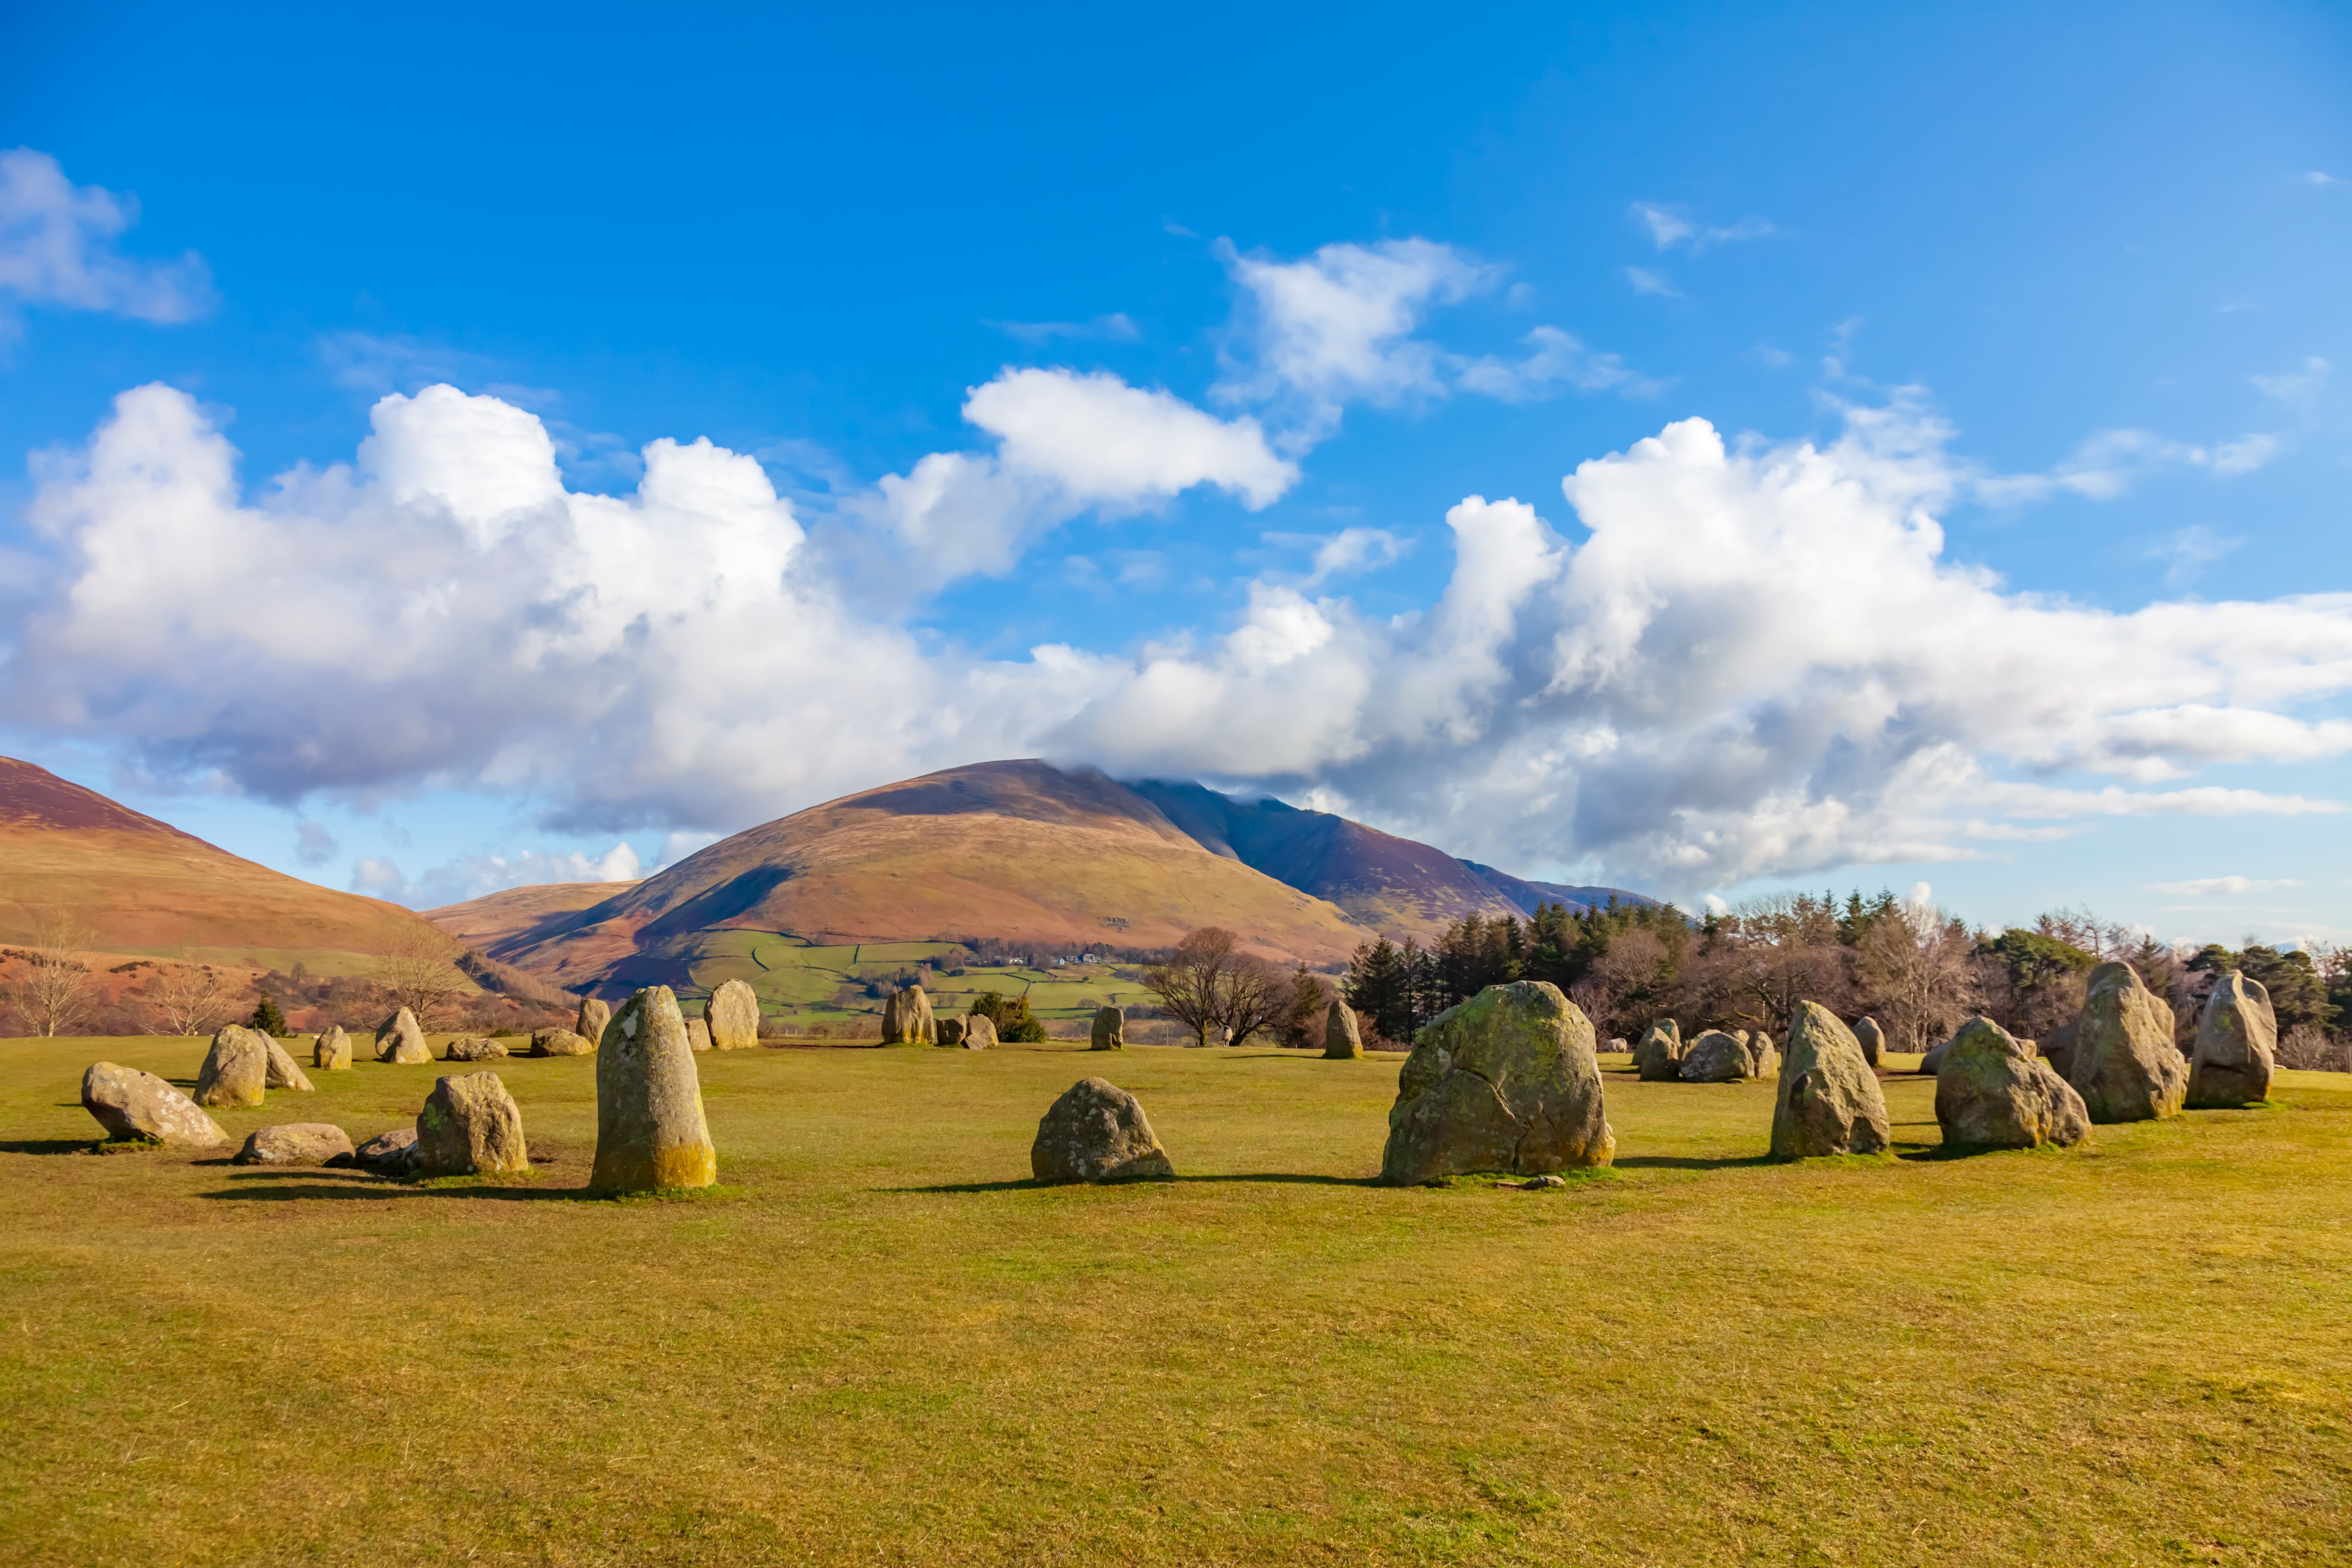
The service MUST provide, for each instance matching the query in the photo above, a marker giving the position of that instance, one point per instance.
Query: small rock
(401, 1042)
(2237, 1046)
(1830, 1101)
(332, 1052)
(1871, 1038)
(284, 1072)
(697, 1034)
(590, 1024)
(1537, 1183)
(1992, 1093)
(477, 1048)
(295, 1143)
(1763, 1056)
(2124, 1063)
(978, 1032)
(133, 1104)
(950, 1031)
(237, 1068)
(1505, 1081)
(1658, 1058)
(1618, 1047)
(650, 1130)
(1717, 1057)
(733, 1016)
(391, 1154)
(470, 1126)
(1109, 1032)
(561, 1043)
(1342, 1040)
(1096, 1132)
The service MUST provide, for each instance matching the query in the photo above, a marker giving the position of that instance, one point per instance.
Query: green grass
(879, 1344)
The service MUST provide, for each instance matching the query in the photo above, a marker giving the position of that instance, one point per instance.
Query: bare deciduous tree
(57, 990)
(1192, 986)
(1916, 965)
(416, 970)
(188, 999)
(1258, 999)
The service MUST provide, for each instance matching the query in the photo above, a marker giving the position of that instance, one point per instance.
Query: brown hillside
(144, 887)
(1017, 850)
(483, 923)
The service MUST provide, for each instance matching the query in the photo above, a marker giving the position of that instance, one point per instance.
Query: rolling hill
(144, 887)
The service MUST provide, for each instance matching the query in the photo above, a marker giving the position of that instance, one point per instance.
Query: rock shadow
(1689, 1162)
(289, 1186)
(64, 1145)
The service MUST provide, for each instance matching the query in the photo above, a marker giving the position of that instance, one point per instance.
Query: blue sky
(1168, 342)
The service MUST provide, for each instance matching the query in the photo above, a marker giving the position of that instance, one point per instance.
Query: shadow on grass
(1292, 1178)
(289, 1186)
(60, 1145)
(1689, 1162)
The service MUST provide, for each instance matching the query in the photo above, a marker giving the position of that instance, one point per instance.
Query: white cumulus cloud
(58, 247)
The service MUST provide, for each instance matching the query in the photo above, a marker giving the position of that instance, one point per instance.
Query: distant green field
(800, 980)
(879, 1343)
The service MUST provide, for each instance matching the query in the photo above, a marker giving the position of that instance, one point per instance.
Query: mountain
(144, 887)
(1012, 851)
(1525, 895)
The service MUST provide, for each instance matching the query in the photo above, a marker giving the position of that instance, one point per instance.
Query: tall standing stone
(1505, 1081)
(284, 1072)
(1993, 1092)
(237, 1068)
(2124, 1063)
(734, 1018)
(1830, 1101)
(133, 1104)
(1658, 1058)
(650, 1130)
(589, 1023)
(332, 1052)
(1110, 1033)
(2237, 1046)
(1342, 1041)
(907, 1018)
(1096, 1132)
(470, 1126)
(1763, 1056)
(1872, 1038)
(400, 1041)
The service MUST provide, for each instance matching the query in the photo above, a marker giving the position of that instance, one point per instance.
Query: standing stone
(734, 1018)
(133, 1104)
(978, 1032)
(1872, 1038)
(650, 1131)
(477, 1049)
(1342, 1040)
(284, 1072)
(391, 1154)
(1830, 1102)
(561, 1043)
(237, 1070)
(332, 1052)
(1763, 1056)
(590, 1023)
(1993, 1093)
(2124, 1063)
(401, 1042)
(697, 1033)
(2237, 1046)
(950, 1031)
(295, 1143)
(1096, 1132)
(1659, 1056)
(907, 1018)
(1505, 1081)
(470, 1126)
(1717, 1057)
(1109, 1032)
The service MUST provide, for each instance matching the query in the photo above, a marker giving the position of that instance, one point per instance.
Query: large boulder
(1658, 1057)
(295, 1143)
(1830, 1101)
(589, 1024)
(1110, 1033)
(650, 1130)
(1342, 1040)
(237, 1068)
(332, 1052)
(399, 1041)
(284, 1072)
(2124, 1063)
(978, 1032)
(391, 1154)
(561, 1043)
(1872, 1038)
(131, 1104)
(473, 1048)
(1096, 1132)
(2237, 1046)
(470, 1126)
(1717, 1057)
(1505, 1081)
(1993, 1092)
(907, 1018)
(734, 1018)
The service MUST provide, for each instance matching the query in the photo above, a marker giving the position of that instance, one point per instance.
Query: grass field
(798, 981)
(877, 1344)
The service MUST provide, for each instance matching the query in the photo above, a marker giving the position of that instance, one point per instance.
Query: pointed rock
(1342, 1041)
(2124, 1063)
(133, 1104)
(589, 1025)
(332, 1052)
(734, 1018)
(1658, 1058)
(1830, 1101)
(399, 1041)
(1993, 1092)
(1505, 1081)
(470, 1126)
(2237, 1046)
(1096, 1132)
(237, 1068)
(284, 1072)
(1110, 1033)
(650, 1130)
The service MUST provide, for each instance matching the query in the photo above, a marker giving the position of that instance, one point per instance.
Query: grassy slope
(881, 1347)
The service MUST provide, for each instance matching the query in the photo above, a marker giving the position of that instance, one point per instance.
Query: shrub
(267, 1018)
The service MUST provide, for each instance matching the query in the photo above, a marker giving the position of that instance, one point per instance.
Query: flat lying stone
(132, 1104)
(295, 1143)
